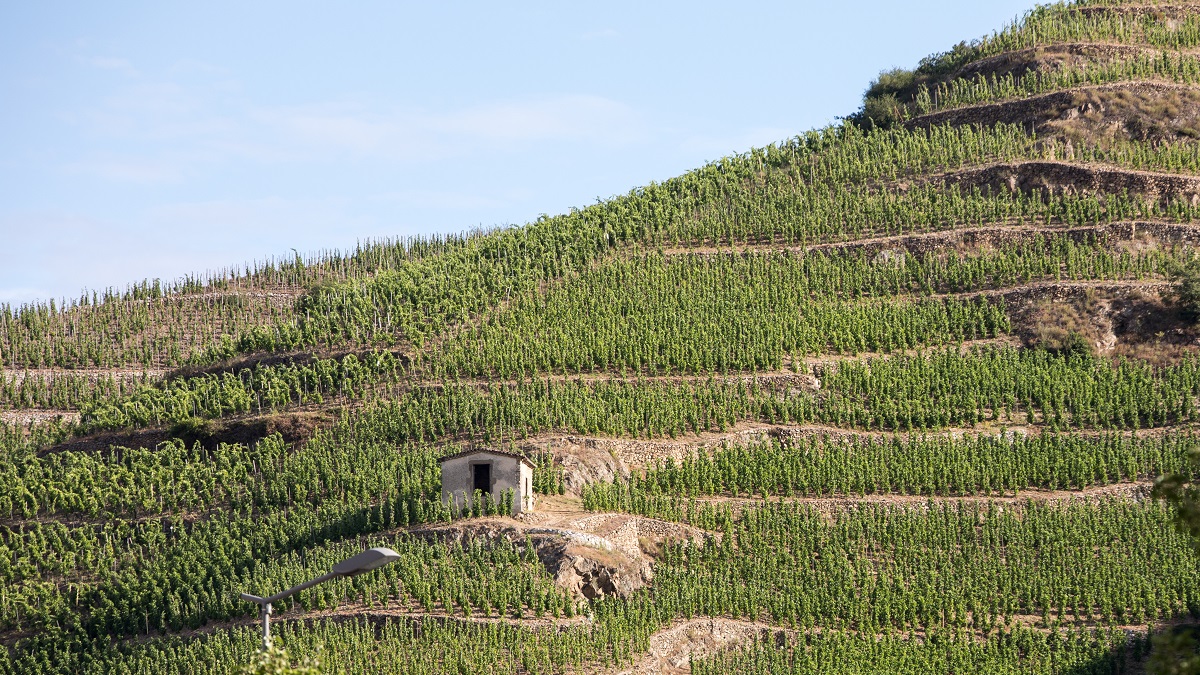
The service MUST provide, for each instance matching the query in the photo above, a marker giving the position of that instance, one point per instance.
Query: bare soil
(672, 649)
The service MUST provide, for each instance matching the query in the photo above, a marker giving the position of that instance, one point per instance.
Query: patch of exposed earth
(672, 650)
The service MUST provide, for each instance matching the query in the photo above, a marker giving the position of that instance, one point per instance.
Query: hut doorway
(483, 477)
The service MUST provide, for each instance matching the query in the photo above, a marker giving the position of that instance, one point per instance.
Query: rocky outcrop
(586, 565)
(588, 573)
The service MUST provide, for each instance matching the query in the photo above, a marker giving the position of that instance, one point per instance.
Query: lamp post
(366, 561)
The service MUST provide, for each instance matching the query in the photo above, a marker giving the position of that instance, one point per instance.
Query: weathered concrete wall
(526, 492)
(458, 477)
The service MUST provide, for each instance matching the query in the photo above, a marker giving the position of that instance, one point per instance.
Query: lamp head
(366, 561)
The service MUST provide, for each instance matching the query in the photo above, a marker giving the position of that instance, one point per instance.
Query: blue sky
(145, 140)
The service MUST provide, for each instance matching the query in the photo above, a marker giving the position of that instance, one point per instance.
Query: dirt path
(18, 375)
(1135, 490)
(1059, 287)
(966, 238)
(25, 417)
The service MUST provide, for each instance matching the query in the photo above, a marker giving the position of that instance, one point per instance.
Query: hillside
(886, 397)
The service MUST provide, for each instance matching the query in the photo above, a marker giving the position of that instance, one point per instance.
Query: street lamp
(366, 561)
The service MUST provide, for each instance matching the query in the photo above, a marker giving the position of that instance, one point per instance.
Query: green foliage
(913, 465)
(892, 81)
(191, 429)
(709, 313)
(275, 661)
(548, 476)
(884, 111)
(179, 401)
(1179, 489)
(1177, 649)
(882, 107)
(793, 193)
(1176, 652)
(940, 565)
(629, 318)
(1017, 650)
(979, 89)
(1187, 289)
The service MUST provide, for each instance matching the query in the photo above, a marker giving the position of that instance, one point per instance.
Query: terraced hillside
(887, 397)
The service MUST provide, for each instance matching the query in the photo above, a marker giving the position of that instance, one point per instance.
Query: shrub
(882, 105)
(1186, 292)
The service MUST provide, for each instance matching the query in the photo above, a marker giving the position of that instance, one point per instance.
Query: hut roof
(473, 451)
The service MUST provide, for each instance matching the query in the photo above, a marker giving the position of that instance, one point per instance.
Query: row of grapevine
(795, 192)
(914, 465)
(362, 645)
(967, 565)
(720, 312)
(415, 304)
(162, 324)
(980, 89)
(585, 319)
(939, 389)
(1067, 23)
(262, 387)
(174, 573)
(1020, 650)
(66, 390)
(174, 478)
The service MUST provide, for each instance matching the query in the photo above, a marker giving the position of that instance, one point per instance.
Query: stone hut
(489, 471)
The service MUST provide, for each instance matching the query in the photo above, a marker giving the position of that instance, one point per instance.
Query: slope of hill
(886, 396)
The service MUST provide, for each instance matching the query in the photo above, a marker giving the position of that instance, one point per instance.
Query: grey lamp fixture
(366, 561)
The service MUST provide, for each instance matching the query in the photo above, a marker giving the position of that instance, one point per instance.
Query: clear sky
(154, 139)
